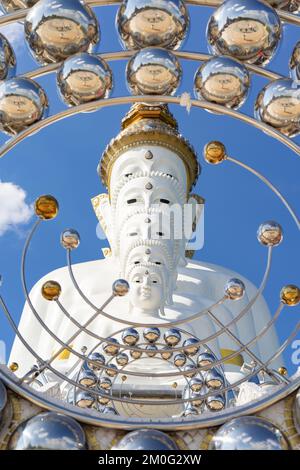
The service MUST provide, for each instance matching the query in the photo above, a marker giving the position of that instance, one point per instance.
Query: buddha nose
(146, 281)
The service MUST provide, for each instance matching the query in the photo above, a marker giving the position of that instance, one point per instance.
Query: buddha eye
(128, 174)
(154, 282)
(158, 262)
(136, 262)
(131, 201)
(137, 281)
(160, 234)
(133, 234)
(165, 201)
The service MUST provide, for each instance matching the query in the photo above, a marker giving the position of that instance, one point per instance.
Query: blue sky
(62, 160)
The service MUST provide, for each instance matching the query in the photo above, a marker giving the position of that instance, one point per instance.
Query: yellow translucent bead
(51, 290)
(214, 152)
(290, 295)
(14, 366)
(282, 370)
(46, 207)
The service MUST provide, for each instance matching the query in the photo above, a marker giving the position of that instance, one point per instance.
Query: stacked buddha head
(149, 170)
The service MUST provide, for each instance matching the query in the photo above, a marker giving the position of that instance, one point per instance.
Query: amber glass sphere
(290, 295)
(46, 207)
(214, 152)
(51, 290)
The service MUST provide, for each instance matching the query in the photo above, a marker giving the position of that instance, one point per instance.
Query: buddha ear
(193, 216)
(102, 209)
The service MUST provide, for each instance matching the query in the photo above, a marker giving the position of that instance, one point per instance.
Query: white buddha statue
(148, 168)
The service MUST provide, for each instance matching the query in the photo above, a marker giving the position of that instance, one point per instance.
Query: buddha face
(146, 289)
(222, 86)
(245, 33)
(137, 160)
(284, 107)
(152, 21)
(19, 107)
(85, 81)
(59, 32)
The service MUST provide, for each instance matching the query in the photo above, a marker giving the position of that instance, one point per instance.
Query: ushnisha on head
(150, 133)
(150, 288)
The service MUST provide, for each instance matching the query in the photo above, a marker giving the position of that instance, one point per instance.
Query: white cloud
(14, 211)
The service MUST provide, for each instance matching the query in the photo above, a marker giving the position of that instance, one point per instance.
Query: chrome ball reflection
(111, 349)
(98, 361)
(122, 359)
(296, 412)
(196, 384)
(22, 103)
(151, 350)
(57, 29)
(70, 239)
(144, 23)
(234, 289)
(190, 370)
(7, 59)
(84, 399)
(120, 287)
(48, 431)
(295, 62)
(249, 433)
(13, 5)
(151, 334)
(104, 398)
(215, 402)
(87, 378)
(166, 354)
(214, 379)
(153, 71)
(179, 360)
(109, 410)
(105, 383)
(191, 346)
(222, 80)
(291, 6)
(146, 439)
(190, 410)
(172, 337)
(130, 336)
(270, 233)
(248, 30)
(206, 359)
(83, 78)
(136, 354)
(196, 397)
(112, 370)
(278, 105)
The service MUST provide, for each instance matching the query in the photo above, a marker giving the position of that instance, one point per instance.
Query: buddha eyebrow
(131, 201)
(165, 201)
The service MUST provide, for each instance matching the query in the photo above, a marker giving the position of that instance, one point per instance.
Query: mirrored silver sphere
(179, 360)
(84, 399)
(172, 337)
(188, 368)
(120, 287)
(278, 105)
(7, 59)
(215, 402)
(206, 359)
(112, 371)
(83, 78)
(296, 412)
(48, 431)
(151, 334)
(70, 239)
(105, 397)
(295, 62)
(105, 383)
(291, 6)
(151, 350)
(234, 289)
(153, 71)
(144, 23)
(111, 349)
(214, 379)
(136, 354)
(189, 346)
(57, 29)
(249, 433)
(248, 30)
(98, 361)
(190, 410)
(196, 384)
(13, 5)
(146, 439)
(222, 80)
(130, 336)
(166, 354)
(22, 103)
(87, 378)
(270, 233)
(122, 359)
(195, 396)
